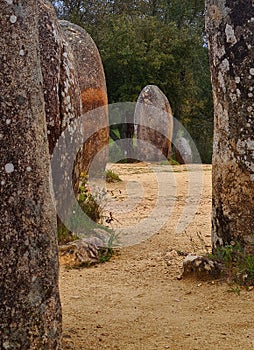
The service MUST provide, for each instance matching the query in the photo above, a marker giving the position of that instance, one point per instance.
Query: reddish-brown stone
(92, 85)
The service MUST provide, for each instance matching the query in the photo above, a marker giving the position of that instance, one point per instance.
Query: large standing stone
(154, 122)
(230, 32)
(63, 105)
(30, 310)
(183, 152)
(61, 92)
(89, 68)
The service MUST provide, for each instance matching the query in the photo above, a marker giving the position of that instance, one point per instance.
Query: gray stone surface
(230, 33)
(30, 310)
(154, 123)
(183, 152)
(201, 267)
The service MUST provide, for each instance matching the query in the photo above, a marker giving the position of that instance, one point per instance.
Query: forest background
(160, 42)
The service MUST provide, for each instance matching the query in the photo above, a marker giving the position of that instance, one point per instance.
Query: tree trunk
(30, 310)
(230, 31)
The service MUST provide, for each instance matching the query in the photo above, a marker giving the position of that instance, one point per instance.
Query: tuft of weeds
(239, 265)
(106, 253)
(235, 289)
(88, 201)
(169, 161)
(111, 176)
(91, 202)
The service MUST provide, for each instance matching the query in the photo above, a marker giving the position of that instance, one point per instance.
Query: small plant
(169, 161)
(89, 202)
(112, 177)
(107, 252)
(235, 289)
(239, 266)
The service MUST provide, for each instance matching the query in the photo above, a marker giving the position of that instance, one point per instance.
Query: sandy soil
(135, 301)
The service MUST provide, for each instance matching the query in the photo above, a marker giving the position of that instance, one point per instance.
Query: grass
(239, 265)
(112, 177)
(169, 161)
(106, 253)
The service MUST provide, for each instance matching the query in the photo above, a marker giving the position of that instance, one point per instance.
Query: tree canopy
(160, 42)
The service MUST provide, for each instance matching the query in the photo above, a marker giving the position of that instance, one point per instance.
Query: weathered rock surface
(230, 33)
(154, 122)
(183, 153)
(78, 253)
(60, 81)
(74, 84)
(200, 267)
(63, 105)
(92, 84)
(85, 251)
(30, 309)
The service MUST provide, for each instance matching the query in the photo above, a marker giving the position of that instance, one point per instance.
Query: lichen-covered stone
(78, 253)
(201, 267)
(74, 85)
(92, 84)
(30, 310)
(183, 152)
(60, 81)
(230, 33)
(154, 121)
(62, 95)
(85, 251)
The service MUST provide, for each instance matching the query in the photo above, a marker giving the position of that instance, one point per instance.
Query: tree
(230, 33)
(30, 310)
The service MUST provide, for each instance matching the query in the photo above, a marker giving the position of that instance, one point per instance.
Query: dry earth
(135, 301)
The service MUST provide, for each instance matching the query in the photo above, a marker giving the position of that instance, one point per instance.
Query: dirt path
(135, 302)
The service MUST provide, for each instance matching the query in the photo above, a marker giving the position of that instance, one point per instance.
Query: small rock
(78, 253)
(171, 254)
(201, 267)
